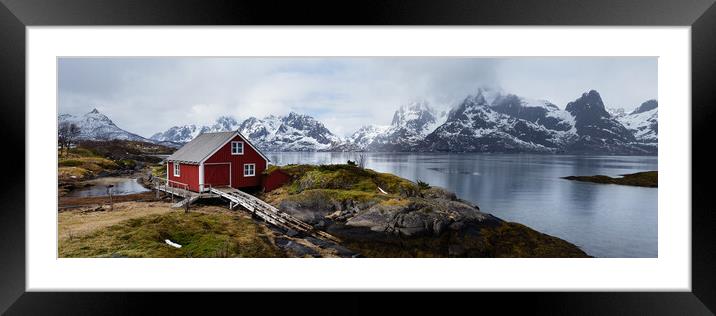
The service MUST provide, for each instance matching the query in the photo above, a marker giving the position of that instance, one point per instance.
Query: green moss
(513, 240)
(324, 195)
(642, 179)
(200, 234)
(345, 177)
(396, 202)
(507, 240)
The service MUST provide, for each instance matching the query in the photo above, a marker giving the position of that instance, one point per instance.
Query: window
(177, 171)
(249, 170)
(237, 148)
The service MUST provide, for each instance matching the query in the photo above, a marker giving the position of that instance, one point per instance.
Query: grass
(160, 171)
(94, 164)
(423, 185)
(66, 173)
(80, 163)
(201, 234)
(643, 179)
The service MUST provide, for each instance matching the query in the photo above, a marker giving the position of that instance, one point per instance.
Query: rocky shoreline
(382, 215)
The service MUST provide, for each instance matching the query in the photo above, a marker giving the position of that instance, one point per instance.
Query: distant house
(215, 160)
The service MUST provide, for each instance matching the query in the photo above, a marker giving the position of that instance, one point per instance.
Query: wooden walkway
(186, 196)
(268, 212)
(265, 211)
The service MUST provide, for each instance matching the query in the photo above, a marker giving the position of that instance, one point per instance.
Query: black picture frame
(700, 15)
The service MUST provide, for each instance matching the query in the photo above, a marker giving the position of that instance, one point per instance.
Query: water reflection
(122, 186)
(605, 220)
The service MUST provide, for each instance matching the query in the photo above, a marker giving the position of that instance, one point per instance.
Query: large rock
(416, 217)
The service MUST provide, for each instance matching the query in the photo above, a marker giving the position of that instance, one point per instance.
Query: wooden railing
(169, 183)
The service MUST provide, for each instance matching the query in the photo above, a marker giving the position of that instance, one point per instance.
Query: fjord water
(604, 220)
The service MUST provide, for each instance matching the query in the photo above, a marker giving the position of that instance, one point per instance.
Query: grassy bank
(138, 229)
(642, 179)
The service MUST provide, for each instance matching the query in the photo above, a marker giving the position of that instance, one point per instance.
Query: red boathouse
(215, 160)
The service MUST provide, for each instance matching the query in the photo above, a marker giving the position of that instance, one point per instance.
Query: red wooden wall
(189, 174)
(237, 164)
(275, 180)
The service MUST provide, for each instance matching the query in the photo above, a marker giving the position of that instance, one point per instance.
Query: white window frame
(177, 169)
(232, 147)
(253, 169)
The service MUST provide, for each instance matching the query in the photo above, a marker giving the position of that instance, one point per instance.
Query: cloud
(148, 95)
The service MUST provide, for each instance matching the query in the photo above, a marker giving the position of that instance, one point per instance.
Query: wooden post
(109, 192)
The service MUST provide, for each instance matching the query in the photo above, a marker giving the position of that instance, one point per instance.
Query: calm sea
(604, 220)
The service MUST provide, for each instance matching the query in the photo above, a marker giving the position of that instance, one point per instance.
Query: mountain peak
(646, 106)
(590, 104)
(416, 112)
(96, 126)
(592, 94)
(490, 93)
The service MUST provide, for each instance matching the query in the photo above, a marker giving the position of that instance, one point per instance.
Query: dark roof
(202, 146)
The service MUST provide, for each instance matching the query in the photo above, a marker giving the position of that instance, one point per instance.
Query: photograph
(357, 157)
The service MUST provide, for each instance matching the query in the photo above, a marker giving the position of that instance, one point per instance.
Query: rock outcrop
(382, 215)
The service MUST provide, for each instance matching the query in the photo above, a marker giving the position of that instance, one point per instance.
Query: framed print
(244, 148)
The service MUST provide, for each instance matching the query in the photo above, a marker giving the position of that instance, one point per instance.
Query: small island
(648, 179)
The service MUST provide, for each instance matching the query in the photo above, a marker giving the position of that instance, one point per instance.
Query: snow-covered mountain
(498, 122)
(501, 122)
(179, 134)
(362, 138)
(293, 132)
(598, 131)
(488, 121)
(185, 133)
(643, 122)
(410, 124)
(97, 126)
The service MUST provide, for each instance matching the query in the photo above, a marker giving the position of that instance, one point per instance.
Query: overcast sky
(148, 95)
